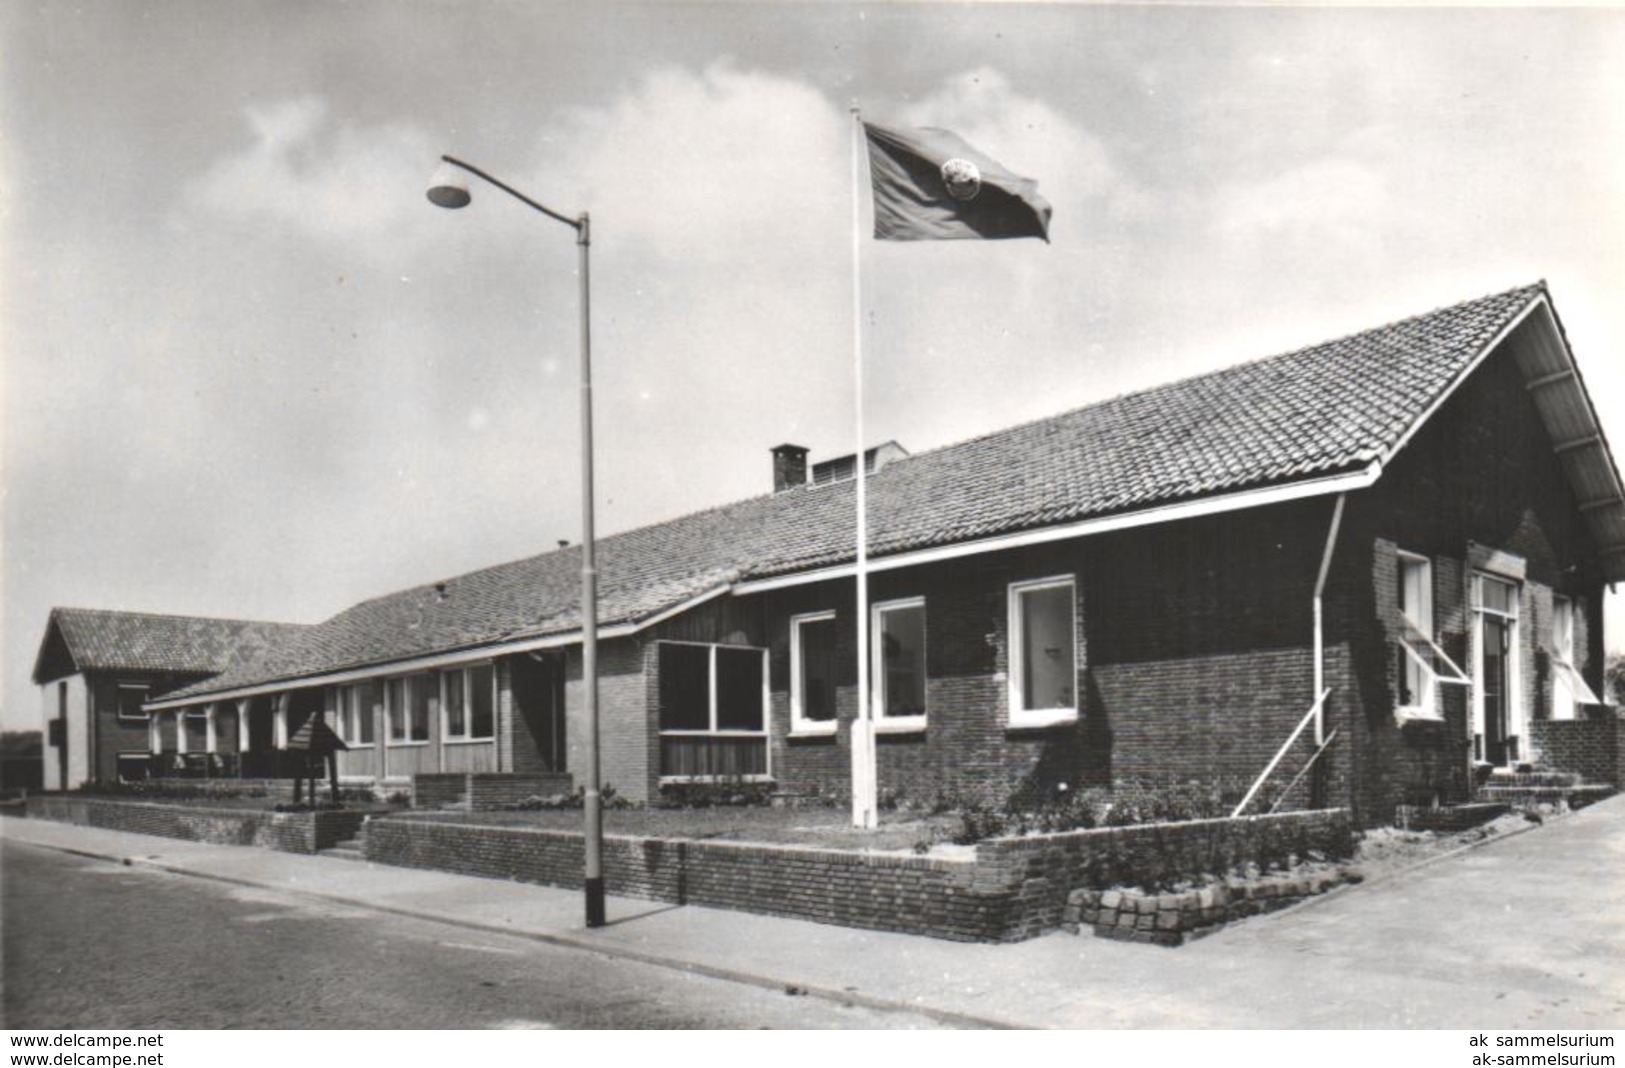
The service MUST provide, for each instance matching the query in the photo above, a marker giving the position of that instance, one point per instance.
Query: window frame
(711, 690)
(1562, 657)
(1426, 698)
(1414, 632)
(130, 754)
(1019, 714)
(800, 726)
(464, 676)
(404, 683)
(712, 731)
(141, 716)
(884, 724)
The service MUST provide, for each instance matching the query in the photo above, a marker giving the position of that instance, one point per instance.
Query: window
(713, 711)
(131, 696)
(409, 701)
(1420, 665)
(356, 705)
(1569, 688)
(1043, 653)
(812, 673)
(898, 662)
(468, 703)
(134, 767)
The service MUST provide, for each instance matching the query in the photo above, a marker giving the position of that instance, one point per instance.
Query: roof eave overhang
(431, 661)
(1341, 482)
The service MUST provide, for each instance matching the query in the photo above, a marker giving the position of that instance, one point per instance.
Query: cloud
(330, 179)
(701, 166)
(1334, 203)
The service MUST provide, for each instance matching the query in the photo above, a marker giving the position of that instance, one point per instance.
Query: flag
(930, 185)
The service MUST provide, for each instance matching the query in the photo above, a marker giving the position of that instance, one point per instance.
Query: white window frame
(1020, 714)
(352, 714)
(884, 724)
(800, 726)
(405, 681)
(1516, 726)
(140, 717)
(463, 677)
(132, 754)
(1417, 632)
(712, 731)
(1575, 691)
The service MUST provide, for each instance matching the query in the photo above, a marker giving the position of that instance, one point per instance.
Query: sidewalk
(1528, 931)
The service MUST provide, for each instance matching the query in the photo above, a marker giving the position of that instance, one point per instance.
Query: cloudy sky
(249, 371)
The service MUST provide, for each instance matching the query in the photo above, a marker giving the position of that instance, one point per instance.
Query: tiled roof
(100, 640)
(1328, 409)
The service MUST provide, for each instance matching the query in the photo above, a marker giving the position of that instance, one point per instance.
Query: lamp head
(449, 187)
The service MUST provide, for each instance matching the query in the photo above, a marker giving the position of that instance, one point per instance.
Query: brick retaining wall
(290, 832)
(1011, 889)
(1593, 748)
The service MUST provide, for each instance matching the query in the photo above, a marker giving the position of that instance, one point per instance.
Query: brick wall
(623, 719)
(1012, 889)
(290, 832)
(483, 791)
(1593, 748)
(1194, 663)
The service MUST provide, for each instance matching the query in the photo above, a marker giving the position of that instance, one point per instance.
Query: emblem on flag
(931, 185)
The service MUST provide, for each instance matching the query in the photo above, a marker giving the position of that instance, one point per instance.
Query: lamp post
(449, 189)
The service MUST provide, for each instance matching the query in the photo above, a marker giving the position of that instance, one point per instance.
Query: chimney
(789, 467)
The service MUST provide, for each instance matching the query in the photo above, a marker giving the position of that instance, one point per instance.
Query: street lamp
(449, 189)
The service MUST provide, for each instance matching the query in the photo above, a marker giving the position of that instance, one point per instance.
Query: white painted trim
(1021, 716)
(877, 668)
(1232, 502)
(1537, 301)
(801, 727)
(140, 717)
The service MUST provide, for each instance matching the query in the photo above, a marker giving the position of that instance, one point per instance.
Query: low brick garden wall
(290, 832)
(485, 791)
(1169, 919)
(1009, 889)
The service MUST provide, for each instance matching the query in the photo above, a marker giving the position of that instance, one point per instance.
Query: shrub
(607, 799)
(730, 793)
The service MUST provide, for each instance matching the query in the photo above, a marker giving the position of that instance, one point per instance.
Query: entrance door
(1496, 634)
(1500, 715)
(538, 692)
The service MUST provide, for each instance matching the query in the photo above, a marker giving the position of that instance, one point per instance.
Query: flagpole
(864, 772)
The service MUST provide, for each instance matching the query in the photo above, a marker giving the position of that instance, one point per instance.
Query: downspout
(1320, 637)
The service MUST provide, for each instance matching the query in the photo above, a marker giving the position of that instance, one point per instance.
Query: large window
(898, 663)
(410, 701)
(1043, 653)
(131, 696)
(1569, 687)
(812, 673)
(713, 711)
(468, 703)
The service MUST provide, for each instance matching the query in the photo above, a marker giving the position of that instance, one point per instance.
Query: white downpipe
(1320, 636)
(1313, 713)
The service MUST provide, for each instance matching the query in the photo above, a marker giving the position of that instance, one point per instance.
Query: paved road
(92, 944)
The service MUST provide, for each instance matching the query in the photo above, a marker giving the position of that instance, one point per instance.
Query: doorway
(1498, 709)
(538, 694)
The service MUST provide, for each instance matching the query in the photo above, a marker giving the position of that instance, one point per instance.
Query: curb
(569, 941)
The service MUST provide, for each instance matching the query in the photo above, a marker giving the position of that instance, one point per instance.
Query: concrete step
(1575, 796)
(350, 849)
(1536, 777)
(1449, 818)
